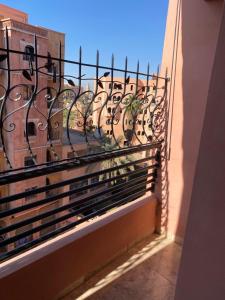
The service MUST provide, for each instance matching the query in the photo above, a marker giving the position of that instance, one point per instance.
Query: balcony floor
(146, 271)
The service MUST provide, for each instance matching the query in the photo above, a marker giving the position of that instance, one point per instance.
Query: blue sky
(124, 27)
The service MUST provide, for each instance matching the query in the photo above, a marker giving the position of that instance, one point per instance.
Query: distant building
(21, 37)
(117, 119)
(79, 100)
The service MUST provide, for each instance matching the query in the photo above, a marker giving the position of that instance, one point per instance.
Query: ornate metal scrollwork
(123, 110)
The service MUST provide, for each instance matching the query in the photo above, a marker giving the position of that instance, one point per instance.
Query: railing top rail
(153, 75)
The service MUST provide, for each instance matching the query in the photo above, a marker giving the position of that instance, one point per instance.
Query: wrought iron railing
(47, 118)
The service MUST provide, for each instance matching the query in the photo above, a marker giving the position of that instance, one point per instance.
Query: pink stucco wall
(188, 54)
(9, 12)
(202, 272)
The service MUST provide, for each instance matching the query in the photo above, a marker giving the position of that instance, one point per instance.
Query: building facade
(21, 113)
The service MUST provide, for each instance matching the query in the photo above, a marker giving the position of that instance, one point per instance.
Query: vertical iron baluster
(155, 115)
(122, 97)
(125, 76)
(167, 151)
(147, 84)
(96, 92)
(146, 101)
(112, 74)
(33, 97)
(108, 97)
(112, 87)
(4, 100)
(53, 102)
(137, 79)
(113, 117)
(74, 103)
(85, 116)
(135, 98)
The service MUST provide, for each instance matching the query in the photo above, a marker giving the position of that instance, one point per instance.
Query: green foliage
(109, 145)
(133, 105)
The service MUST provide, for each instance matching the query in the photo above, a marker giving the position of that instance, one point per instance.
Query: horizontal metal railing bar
(36, 171)
(76, 212)
(80, 158)
(11, 198)
(50, 199)
(49, 187)
(8, 199)
(22, 223)
(70, 226)
(83, 64)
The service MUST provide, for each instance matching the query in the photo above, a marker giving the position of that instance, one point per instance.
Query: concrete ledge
(43, 272)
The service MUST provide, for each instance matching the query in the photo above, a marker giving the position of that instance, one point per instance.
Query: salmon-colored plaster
(189, 50)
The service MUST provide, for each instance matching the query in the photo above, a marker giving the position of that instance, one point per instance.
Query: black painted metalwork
(120, 118)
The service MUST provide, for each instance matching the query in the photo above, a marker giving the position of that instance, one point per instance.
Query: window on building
(24, 239)
(143, 89)
(94, 180)
(50, 228)
(138, 133)
(54, 134)
(118, 86)
(28, 53)
(27, 91)
(49, 96)
(77, 185)
(31, 129)
(110, 85)
(29, 161)
(150, 138)
(30, 197)
(50, 192)
(48, 156)
(143, 133)
(109, 110)
(131, 87)
(3, 249)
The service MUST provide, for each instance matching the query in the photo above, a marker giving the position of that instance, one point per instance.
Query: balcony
(98, 180)
(88, 193)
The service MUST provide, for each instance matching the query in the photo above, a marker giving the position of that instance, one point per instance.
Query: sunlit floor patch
(146, 270)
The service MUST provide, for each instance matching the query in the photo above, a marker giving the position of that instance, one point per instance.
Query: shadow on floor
(147, 271)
